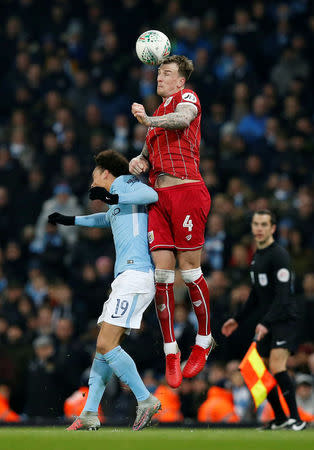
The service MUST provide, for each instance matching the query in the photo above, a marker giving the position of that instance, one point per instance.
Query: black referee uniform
(274, 307)
(270, 299)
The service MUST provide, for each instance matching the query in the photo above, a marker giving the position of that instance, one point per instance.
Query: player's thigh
(132, 292)
(189, 211)
(159, 229)
(189, 259)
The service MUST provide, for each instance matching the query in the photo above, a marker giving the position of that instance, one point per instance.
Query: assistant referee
(271, 300)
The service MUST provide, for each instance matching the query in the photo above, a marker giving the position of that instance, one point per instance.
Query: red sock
(199, 295)
(164, 301)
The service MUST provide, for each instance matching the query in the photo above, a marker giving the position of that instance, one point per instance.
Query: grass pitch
(154, 439)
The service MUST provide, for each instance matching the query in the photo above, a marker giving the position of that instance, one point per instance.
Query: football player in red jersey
(177, 221)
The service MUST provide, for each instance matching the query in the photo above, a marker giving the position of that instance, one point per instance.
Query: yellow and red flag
(256, 376)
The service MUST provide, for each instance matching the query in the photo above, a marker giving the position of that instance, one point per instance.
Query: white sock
(171, 347)
(203, 341)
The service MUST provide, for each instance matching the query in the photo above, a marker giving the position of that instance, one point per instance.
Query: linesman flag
(257, 378)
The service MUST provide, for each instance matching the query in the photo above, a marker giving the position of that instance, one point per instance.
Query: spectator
(44, 382)
(253, 126)
(290, 66)
(64, 203)
(305, 393)
(217, 245)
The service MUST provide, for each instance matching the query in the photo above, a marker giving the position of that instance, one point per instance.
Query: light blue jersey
(128, 221)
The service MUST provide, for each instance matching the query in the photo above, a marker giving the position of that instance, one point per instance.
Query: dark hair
(261, 212)
(113, 161)
(185, 65)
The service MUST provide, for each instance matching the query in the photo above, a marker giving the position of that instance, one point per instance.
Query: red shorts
(179, 217)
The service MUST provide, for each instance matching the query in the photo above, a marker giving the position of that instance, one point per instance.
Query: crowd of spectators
(69, 74)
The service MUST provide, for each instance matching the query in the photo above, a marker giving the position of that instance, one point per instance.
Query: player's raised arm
(138, 194)
(184, 114)
(98, 220)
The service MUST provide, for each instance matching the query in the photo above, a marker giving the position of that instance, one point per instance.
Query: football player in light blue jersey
(132, 289)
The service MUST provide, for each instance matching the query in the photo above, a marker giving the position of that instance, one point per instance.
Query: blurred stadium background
(69, 74)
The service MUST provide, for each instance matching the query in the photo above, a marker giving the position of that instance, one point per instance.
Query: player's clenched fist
(138, 165)
(139, 113)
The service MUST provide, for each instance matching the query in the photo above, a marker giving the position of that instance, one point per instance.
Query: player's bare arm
(184, 114)
(140, 164)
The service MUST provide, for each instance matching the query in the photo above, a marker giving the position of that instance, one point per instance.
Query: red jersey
(175, 152)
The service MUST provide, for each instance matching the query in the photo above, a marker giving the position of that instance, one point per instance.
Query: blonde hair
(185, 65)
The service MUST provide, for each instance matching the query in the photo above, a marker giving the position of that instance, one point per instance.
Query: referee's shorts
(281, 335)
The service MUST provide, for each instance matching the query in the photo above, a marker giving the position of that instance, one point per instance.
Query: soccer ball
(152, 46)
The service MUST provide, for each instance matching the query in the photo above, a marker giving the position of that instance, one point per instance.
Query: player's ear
(105, 174)
(181, 82)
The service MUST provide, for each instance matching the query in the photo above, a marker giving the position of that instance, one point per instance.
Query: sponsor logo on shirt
(168, 101)
(151, 237)
(262, 278)
(283, 275)
(133, 180)
(189, 97)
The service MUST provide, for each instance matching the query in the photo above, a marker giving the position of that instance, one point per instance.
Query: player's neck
(109, 181)
(265, 244)
(172, 93)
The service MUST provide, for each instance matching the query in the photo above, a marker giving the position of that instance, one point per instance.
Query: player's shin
(99, 376)
(204, 342)
(124, 367)
(164, 300)
(199, 295)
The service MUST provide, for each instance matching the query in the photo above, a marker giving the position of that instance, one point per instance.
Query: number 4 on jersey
(188, 223)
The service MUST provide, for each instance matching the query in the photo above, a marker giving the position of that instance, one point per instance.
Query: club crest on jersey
(188, 237)
(189, 97)
(262, 278)
(283, 275)
(168, 101)
(161, 307)
(197, 303)
(150, 237)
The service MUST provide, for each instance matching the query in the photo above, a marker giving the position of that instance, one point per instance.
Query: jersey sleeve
(281, 268)
(99, 220)
(137, 193)
(190, 98)
(247, 308)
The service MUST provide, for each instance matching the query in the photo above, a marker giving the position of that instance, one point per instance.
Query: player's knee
(102, 348)
(191, 275)
(164, 276)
